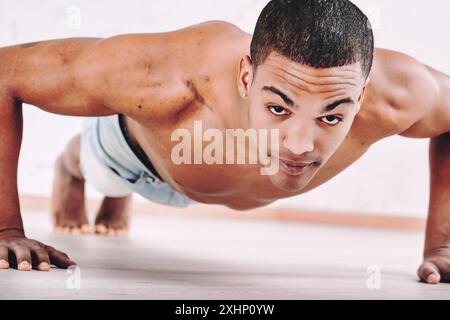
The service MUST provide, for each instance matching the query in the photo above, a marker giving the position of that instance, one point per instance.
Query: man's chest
(199, 154)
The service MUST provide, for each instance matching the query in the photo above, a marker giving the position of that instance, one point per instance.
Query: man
(309, 72)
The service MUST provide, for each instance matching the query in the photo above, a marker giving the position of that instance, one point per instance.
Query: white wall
(391, 178)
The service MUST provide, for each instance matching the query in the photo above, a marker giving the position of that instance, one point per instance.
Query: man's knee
(71, 157)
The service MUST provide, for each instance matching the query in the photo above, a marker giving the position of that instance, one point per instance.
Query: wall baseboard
(363, 220)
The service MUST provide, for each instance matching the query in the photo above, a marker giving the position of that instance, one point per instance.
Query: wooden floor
(174, 257)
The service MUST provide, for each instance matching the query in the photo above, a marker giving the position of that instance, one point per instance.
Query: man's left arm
(420, 98)
(436, 265)
(436, 256)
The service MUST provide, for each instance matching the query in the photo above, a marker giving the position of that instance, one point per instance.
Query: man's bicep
(441, 111)
(426, 100)
(412, 90)
(138, 75)
(45, 74)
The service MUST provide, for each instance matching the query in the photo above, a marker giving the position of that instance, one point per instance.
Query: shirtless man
(309, 71)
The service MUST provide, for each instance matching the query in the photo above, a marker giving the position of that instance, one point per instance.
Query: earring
(244, 95)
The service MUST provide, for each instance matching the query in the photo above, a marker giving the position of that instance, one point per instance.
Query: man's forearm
(438, 225)
(11, 123)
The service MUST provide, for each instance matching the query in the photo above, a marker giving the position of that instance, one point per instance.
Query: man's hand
(18, 252)
(436, 266)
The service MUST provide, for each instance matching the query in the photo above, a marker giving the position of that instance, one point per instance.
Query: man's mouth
(294, 168)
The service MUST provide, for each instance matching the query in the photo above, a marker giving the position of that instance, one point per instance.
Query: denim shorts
(110, 166)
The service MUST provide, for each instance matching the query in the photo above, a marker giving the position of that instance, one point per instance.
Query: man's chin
(289, 185)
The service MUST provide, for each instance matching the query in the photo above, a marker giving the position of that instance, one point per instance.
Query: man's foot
(68, 211)
(113, 216)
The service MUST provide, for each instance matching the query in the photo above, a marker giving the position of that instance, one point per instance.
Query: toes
(85, 229)
(58, 230)
(66, 230)
(101, 229)
(122, 232)
(75, 231)
(62, 230)
(112, 232)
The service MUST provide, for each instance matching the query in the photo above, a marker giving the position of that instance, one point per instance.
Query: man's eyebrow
(336, 104)
(290, 102)
(283, 96)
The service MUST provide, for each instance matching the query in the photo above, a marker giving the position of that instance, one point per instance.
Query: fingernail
(44, 265)
(2, 261)
(25, 264)
(433, 279)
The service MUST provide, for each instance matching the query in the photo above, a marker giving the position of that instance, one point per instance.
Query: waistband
(137, 150)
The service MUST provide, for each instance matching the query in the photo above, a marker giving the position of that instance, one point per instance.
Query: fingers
(429, 273)
(41, 259)
(59, 259)
(25, 254)
(4, 262)
(23, 257)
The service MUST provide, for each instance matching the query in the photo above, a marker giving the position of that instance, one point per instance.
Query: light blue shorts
(111, 167)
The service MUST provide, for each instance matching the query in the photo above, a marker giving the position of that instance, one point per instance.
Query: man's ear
(362, 95)
(245, 75)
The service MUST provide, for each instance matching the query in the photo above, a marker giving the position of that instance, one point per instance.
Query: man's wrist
(435, 242)
(12, 222)
(11, 232)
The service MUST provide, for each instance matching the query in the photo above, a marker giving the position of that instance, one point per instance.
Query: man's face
(313, 109)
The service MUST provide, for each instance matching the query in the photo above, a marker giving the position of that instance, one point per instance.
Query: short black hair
(317, 33)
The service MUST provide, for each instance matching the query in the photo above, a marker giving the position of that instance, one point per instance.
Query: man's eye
(332, 120)
(278, 111)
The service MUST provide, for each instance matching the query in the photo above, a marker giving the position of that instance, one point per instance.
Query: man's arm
(40, 74)
(78, 77)
(421, 97)
(10, 141)
(436, 266)
(53, 76)
(148, 77)
(435, 124)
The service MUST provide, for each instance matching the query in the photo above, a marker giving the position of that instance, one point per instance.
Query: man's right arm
(149, 77)
(138, 75)
(54, 76)
(40, 74)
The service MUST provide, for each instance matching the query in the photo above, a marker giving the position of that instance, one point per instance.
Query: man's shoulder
(212, 63)
(398, 95)
(165, 71)
(217, 25)
(213, 44)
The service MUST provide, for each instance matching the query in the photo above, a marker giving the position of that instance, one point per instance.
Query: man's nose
(299, 140)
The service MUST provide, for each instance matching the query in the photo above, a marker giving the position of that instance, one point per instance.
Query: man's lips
(295, 168)
(296, 163)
